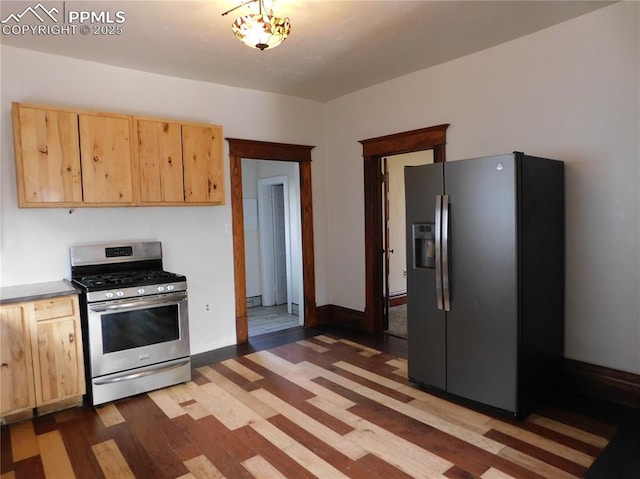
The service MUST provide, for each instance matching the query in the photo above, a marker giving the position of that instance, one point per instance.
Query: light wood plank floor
(323, 406)
(267, 319)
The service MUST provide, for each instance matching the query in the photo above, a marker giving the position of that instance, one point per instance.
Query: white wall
(568, 92)
(196, 241)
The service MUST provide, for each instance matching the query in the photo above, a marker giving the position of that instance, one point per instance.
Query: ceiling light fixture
(260, 30)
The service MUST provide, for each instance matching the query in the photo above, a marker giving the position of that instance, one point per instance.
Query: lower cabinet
(16, 374)
(42, 360)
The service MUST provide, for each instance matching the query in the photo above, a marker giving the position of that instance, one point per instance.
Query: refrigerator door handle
(446, 297)
(438, 240)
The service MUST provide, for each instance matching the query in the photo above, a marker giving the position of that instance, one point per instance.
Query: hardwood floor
(310, 403)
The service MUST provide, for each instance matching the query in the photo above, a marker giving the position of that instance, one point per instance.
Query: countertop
(35, 291)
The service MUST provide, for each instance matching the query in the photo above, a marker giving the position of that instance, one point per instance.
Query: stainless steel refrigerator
(485, 278)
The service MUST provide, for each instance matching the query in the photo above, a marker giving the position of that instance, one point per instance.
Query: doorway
(273, 256)
(373, 150)
(260, 150)
(394, 232)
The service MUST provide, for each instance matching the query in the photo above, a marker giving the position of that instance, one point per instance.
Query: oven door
(139, 332)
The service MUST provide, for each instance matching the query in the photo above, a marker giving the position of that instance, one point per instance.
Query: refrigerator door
(425, 323)
(482, 325)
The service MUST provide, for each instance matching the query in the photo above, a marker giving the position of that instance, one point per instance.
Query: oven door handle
(140, 374)
(155, 301)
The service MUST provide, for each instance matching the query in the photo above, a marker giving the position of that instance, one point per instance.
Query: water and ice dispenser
(424, 245)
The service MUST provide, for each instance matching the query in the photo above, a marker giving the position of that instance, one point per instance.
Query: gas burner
(126, 271)
(129, 278)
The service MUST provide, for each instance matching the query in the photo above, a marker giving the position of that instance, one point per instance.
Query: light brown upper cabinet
(180, 163)
(160, 160)
(47, 157)
(72, 158)
(202, 157)
(106, 158)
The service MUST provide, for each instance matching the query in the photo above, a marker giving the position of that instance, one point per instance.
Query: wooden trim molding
(373, 150)
(600, 382)
(262, 150)
(239, 267)
(331, 314)
(324, 315)
(405, 142)
(308, 254)
(349, 318)
(397, 299)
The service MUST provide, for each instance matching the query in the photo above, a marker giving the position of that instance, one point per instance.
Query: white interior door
(279, 244)
(276, 279)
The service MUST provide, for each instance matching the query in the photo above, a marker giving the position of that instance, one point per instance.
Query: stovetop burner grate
(129, 278)
(122, 270)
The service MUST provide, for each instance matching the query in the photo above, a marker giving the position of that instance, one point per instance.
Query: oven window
(141, 327)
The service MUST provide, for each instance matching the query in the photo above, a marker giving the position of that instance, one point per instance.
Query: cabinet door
(47, 156)
(105, 153)
(16, 374)
(57, 351)
(160, 160)
(59, 371)
(203, 164)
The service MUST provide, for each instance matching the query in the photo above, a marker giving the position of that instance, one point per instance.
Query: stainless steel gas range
(135, 319)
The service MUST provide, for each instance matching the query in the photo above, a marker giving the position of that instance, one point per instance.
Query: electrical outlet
(404, 273)
(207, 307)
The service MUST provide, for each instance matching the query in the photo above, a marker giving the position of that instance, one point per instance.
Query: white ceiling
(335, 47)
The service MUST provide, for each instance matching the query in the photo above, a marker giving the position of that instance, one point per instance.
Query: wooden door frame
(263, 150)
(373, 150)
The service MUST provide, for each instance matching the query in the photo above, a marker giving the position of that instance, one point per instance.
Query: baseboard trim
(324, 314)
(340, 316)
(349, 318)
(397, 299)
(601, 382)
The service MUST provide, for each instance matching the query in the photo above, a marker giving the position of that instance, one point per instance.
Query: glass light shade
(261, 31)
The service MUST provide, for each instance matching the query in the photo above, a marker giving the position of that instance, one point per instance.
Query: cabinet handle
(5, 365)
(71, 337)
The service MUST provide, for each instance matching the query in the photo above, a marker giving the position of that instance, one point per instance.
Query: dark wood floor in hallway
(302, 404)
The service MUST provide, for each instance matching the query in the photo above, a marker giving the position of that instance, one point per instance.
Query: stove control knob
(141, 291)
(109, 295)
(161, 288)
(170, 287)
(119, 294)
